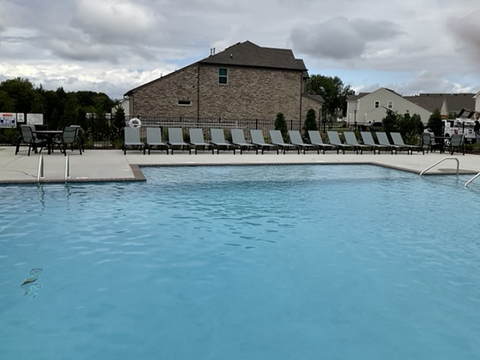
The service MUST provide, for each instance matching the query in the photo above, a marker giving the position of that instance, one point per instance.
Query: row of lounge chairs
(257, 143)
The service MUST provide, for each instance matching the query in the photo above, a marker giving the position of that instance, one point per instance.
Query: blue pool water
(267, 262)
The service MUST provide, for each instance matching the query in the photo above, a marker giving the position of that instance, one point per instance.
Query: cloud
(341, 39)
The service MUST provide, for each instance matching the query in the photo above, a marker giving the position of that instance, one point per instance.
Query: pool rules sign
(8, 120)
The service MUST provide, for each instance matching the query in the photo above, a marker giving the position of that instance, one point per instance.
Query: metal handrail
(67, 168)
(442, 160)
(41, 168)
(473, 178)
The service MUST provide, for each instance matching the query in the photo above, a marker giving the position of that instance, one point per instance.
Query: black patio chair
(28, 138)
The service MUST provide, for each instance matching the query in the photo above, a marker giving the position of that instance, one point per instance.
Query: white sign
(35, 119)
(20, 117)
(8, 120)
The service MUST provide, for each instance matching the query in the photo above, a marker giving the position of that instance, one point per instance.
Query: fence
(102, 133)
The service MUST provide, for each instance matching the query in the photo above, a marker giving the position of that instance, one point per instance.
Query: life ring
(135, 122)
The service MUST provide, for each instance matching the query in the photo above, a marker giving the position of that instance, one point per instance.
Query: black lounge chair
(238, 139)
(154, 139)
(259, 141)
(334, 139)
(175, 139)
(316, 139)
(367, 139)
(219, 142)
(132, 139)
(296, 139)
(351, 139)
(197, 140)
(398, 140)
(277, 139)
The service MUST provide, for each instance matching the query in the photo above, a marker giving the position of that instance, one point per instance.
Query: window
(184, 103)
(390, 104)
(376, 105)
(223, 76)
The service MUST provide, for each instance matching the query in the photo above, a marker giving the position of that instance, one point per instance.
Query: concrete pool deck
(112, 165)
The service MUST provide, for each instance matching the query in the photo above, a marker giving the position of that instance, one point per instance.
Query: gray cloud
(339, 38)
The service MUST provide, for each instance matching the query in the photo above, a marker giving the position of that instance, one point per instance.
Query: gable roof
(248, 54)
(363, 94)
(453, 103)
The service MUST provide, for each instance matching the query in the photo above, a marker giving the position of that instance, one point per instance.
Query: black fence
(104, 133)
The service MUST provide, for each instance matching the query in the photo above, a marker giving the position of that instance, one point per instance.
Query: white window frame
(390, 104)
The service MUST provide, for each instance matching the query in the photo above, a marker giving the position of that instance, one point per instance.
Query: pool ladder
(41, 168)
(458, 169)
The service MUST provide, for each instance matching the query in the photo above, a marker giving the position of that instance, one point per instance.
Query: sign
(8, 120)
(35, 119)
(20, 117)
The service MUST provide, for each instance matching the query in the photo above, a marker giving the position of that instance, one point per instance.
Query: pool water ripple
(267, 262)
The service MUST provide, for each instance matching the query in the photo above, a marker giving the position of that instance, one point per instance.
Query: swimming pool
(266, 262)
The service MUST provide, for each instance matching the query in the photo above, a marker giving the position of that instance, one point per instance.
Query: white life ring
(135, 122)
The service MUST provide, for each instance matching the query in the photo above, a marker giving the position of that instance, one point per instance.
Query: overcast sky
(112, 46)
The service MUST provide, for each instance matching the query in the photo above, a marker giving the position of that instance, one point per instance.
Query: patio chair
(296, 139)
(277, 139)
(456, 142)
(154, 139)
(69, 136)
(197, 140)
(428, 142)
(398, 140)
(132, 139)
(383, 140)
(258, 140)
(334, 139)
(28, 137)
(367, 139)
(316, 139)
(175, 139)
(351, 139)
(218, 140)
(238, 139)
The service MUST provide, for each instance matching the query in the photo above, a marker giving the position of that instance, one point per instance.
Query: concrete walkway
(112, 165)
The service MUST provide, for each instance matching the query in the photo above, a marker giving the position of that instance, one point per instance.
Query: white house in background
(477, 101)
(372, 107)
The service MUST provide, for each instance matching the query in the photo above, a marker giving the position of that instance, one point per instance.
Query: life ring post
(135, 122)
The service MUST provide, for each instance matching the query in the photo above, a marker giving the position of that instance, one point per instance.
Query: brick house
(245, 81)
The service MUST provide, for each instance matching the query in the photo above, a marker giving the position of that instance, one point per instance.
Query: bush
(281, 124)
(310, 122)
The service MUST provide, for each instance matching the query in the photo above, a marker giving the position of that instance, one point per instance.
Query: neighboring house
(372, 107)
(245, 81)
(447, 104)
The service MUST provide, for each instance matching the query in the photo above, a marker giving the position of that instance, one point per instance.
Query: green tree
(334, 93)
(310, 122)
(21, 92)
(281, 124)
(435, 123)
(389, 122)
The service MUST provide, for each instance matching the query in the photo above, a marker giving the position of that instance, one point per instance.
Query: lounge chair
(238, 139)
(367, 139)
(70, 136)
(456, 142)
(219, 142)
(259, 141)
(383, 140)
(197, 140)
(316, 139)
(175, 139)
(132, 138)
(351, 139)
(277, 139)
(334, 139)
(28, 137)
(296, 139)
(397, 140)
(154, 139)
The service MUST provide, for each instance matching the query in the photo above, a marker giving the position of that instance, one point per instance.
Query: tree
(435, 123)
(281, 124)
(390, 121)
(310, 122)
(334, 93)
